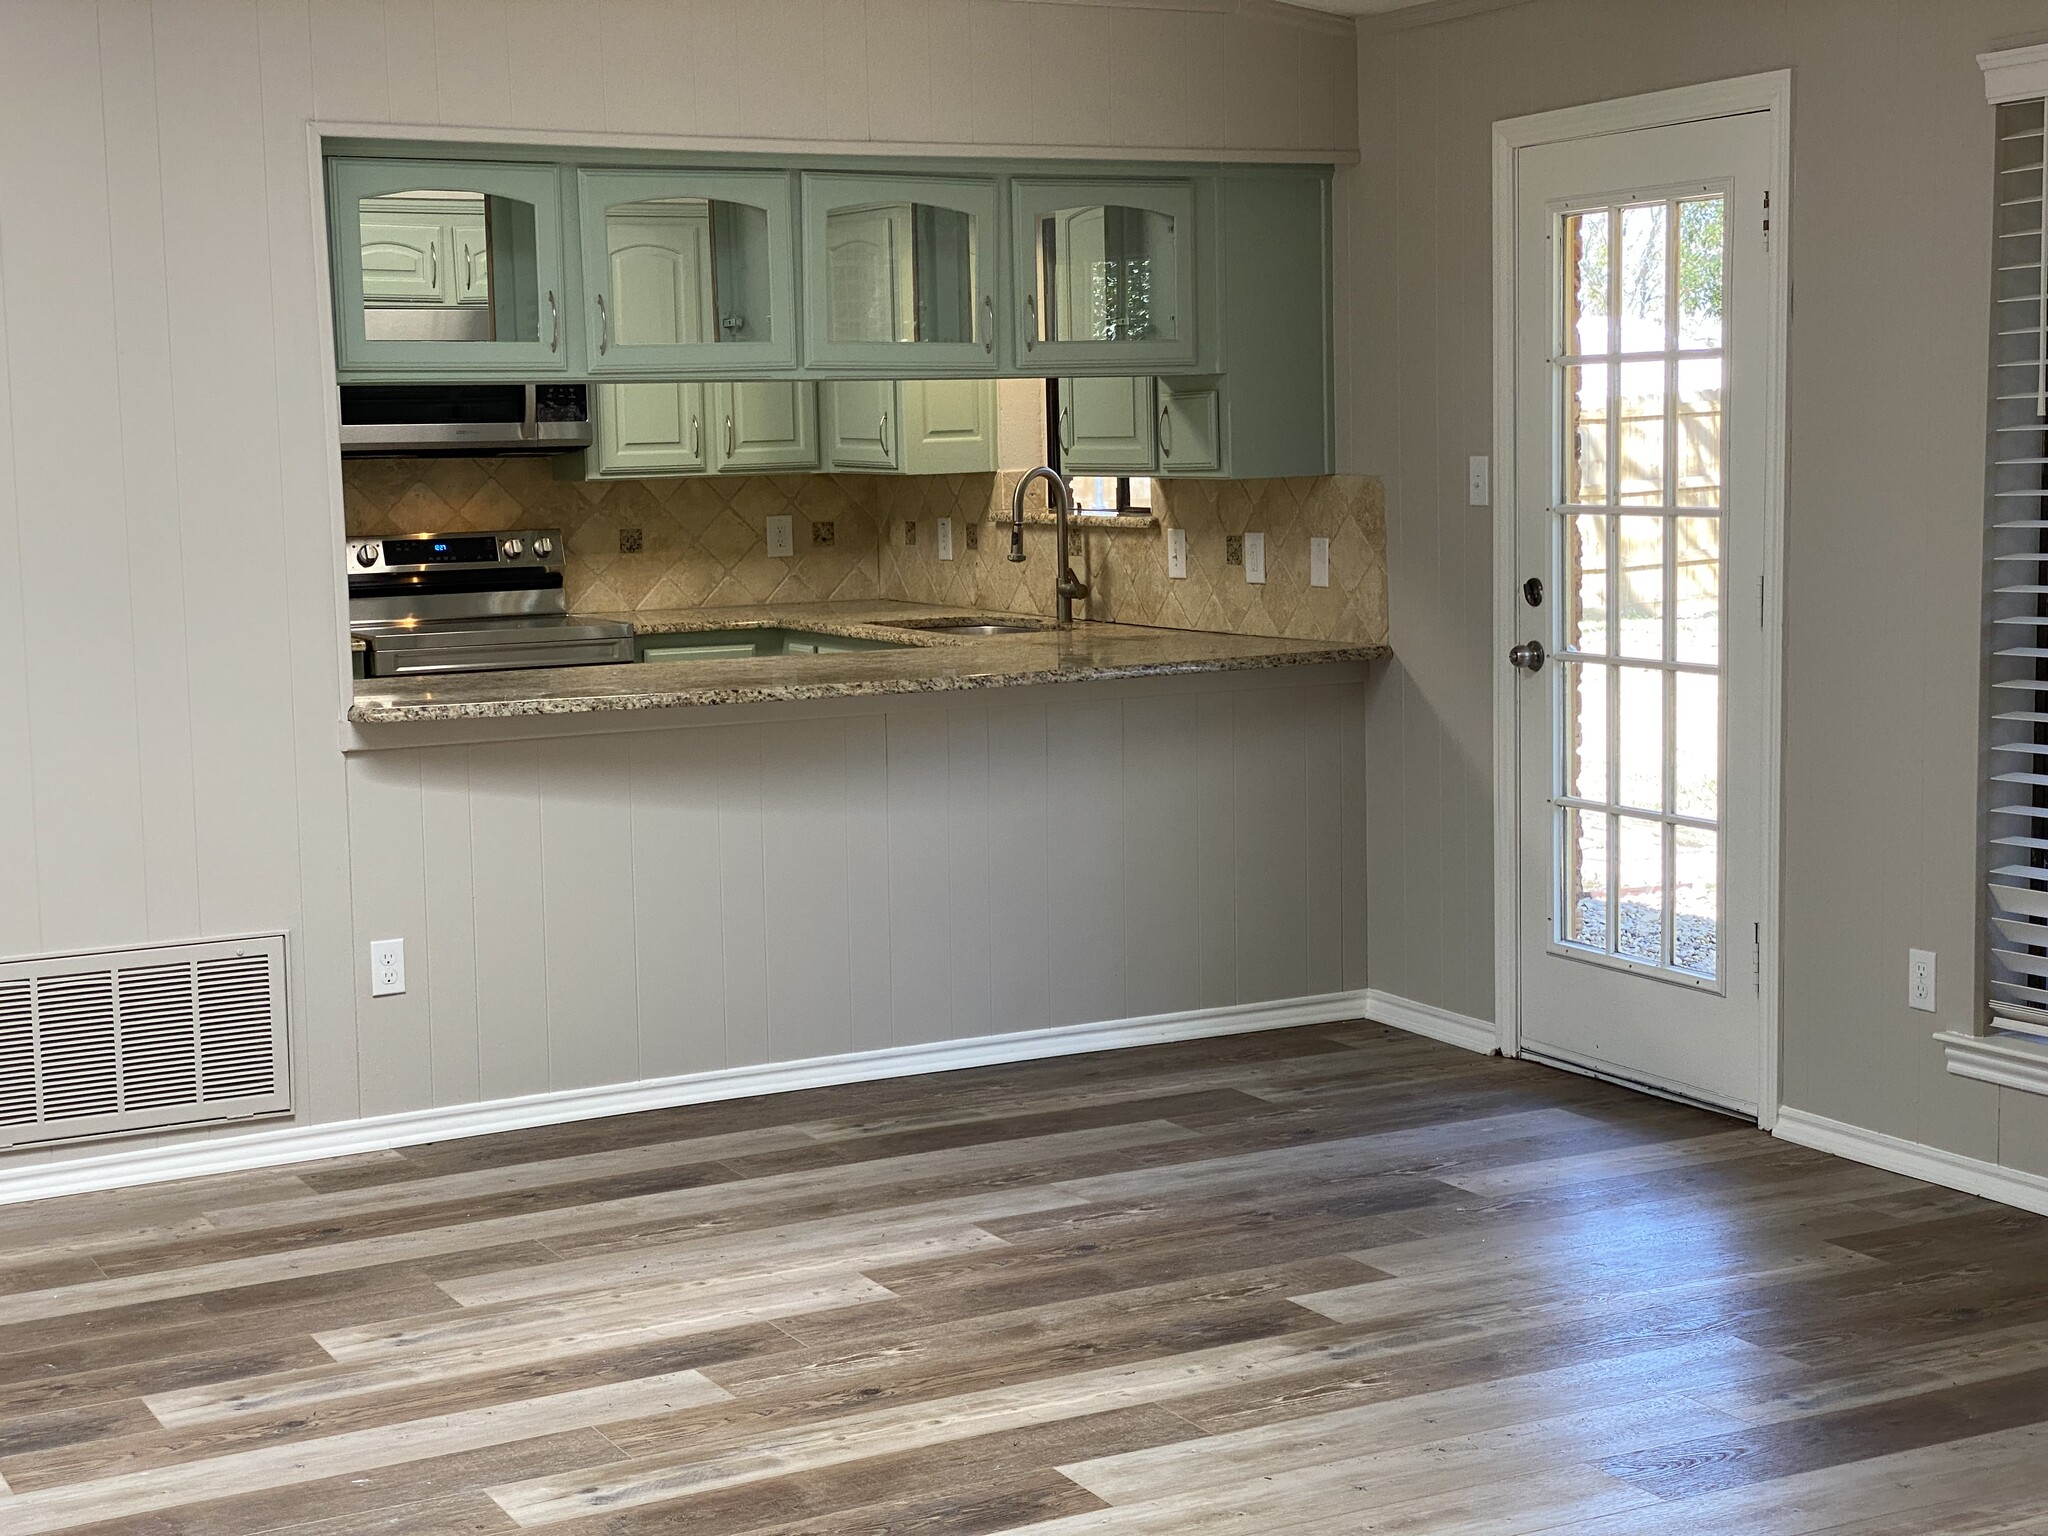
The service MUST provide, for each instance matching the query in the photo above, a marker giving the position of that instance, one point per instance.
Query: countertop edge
(705, 698)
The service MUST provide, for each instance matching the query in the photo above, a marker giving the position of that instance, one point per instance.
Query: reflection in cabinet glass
(1107, 272)
(687, 272)
(442, 265)
(900, 272)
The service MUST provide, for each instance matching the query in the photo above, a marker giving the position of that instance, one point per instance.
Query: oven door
(424, 649)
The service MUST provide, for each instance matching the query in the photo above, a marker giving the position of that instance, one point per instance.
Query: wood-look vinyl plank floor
(1320, 1281)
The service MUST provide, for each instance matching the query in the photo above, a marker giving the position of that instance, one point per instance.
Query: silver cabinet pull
(728, 435)
(1030, 321)
(554, 323)
(696, 438)
(1165, 434)
(988, 302)
(1066, 430)
(604, 328)
(468, 266)
(434, 265)
(882, 431)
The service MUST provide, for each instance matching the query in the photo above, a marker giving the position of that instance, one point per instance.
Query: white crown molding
(2015, 74)
(1916, 1160)
(308, 1143)
(1996, 1059)
(1437, 1023)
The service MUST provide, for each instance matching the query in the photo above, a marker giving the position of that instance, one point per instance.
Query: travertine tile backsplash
(702, 541)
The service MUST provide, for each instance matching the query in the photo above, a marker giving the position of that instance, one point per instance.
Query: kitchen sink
(966, 626)
(747, 644)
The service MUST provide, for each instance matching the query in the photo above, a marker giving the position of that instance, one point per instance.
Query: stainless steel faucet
(1067, 586)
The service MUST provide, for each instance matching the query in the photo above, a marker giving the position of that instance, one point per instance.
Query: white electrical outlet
(1479, 480)
(945, 538)
(387, 967)
(1255, 558)
(781, 537)
(1319, 562)
(1177, 553)
(1920, 979)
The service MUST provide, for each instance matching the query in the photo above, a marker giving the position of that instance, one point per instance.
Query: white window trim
(1771, 93)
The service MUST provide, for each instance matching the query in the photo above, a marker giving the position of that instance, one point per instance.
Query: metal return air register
(469, 602)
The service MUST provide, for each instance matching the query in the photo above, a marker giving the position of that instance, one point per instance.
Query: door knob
(1528, 655)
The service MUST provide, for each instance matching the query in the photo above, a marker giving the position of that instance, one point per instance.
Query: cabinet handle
(1030, 321)
(604, 328)
(554, 323)
(696, 437)
(729, 444)
(988, 302)
(882, 431)
(1165, 434)
(468, 267)
(434, 265)
(1066, 430)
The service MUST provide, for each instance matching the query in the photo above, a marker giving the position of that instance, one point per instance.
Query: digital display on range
(464, 550)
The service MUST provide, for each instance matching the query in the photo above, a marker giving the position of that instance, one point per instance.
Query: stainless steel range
(470, 602)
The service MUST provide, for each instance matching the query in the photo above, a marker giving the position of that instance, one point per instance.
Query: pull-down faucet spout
(1066, 586)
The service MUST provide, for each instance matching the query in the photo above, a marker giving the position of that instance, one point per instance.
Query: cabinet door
(687, 272)
(649, 429)
(1190, 426)
(403, 252)
(764, 424)
(862, 424)
(949, 426)
(500, 316)
(1106, 272)
(1106, 426)
(900, 273)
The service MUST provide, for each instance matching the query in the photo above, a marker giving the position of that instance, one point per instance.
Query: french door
(1643, 329)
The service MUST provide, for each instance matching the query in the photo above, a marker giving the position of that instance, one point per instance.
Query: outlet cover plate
(387, 967)
(781, 537)
(1177, 554)
(1255, 558)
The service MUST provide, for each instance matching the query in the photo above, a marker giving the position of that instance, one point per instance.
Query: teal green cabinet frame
(520, 277)
(772, 289)
(976, 197)
(1033, 198)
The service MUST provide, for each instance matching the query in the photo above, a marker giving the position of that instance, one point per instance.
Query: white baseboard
(1427, 1019)
(1916, 1160)
(309, 1143)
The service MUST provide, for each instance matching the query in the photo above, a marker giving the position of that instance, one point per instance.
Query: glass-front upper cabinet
(900, 273)
(1105, 274)
(687, 272)
(447, 266)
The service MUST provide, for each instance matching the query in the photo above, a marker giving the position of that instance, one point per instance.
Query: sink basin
(971, 626)
(747, 644)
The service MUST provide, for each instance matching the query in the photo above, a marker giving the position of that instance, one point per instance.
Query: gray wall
(1890, 239)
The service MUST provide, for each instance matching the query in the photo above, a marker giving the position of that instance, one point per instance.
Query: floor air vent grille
(114, 1042)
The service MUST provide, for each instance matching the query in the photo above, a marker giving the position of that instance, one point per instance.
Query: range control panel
(515, 549)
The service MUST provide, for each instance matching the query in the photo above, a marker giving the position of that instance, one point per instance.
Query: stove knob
(366, 554)
(514, 549)
(542, 548)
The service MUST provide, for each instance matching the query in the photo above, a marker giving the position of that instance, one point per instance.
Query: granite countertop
(933, 662)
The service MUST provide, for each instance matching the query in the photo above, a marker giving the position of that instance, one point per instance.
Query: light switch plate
(781, 537)
(1920, 979)
(1319, 562)
(945, 538)
(387, 967)
(1479, 481)
(1255, 558)
(1177, 553)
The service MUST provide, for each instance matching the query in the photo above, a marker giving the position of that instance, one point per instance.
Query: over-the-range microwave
(478, 419)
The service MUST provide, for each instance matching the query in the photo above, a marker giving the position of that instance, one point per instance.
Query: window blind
(2016, 585)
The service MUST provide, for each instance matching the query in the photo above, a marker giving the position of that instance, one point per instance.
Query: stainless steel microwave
(482, 420)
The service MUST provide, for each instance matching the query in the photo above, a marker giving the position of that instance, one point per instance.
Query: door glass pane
(1640, 934)
(1644, 286)
(1586, 867)
(1640, 471)
(1585, 737)
(1107, 273)
(1589, 283)
(902, 272)
(1641, 727)
(686, 270)
(1698, 597)
(1696, 901)
(1586, 435)
(1640, 605)
(1696, 745)
(1701, 261)
(448, 265)
(1699, 432)
(1586, 584)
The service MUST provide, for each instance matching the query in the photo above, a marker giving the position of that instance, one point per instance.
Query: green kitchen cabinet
(687, 272)
(1189, 415)
(1106, 426)
(1106, 274)
(764, 425)
(911, 426)
(447, 267)
(900, 273)
(731, 427)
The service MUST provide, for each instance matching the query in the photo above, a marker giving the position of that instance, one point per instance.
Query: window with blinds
(2016, 605)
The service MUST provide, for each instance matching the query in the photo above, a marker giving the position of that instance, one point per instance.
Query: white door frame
(1770, 93)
